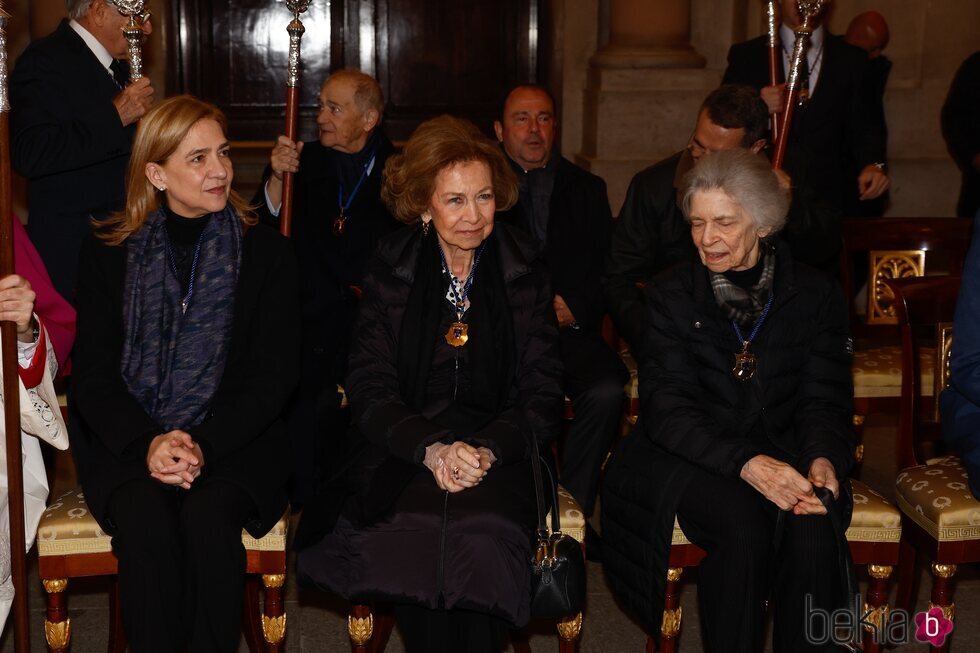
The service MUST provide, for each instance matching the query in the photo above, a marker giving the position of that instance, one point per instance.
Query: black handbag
(557, 566)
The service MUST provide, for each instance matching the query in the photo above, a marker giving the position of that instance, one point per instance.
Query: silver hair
(745, 177)
(78, 8)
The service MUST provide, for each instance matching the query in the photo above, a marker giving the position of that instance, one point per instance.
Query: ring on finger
(455, 472)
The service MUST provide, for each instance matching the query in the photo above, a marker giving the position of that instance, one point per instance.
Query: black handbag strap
(536, 465)
(845, 563)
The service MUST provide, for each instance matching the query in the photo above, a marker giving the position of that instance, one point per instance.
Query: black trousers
(450, 631)
(594, 380)
(181, 564)
(736, 526)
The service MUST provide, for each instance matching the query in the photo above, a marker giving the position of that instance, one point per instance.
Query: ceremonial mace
(296, 31)
(774, 58)
(136, 10)
(11, 379)
(809, 10)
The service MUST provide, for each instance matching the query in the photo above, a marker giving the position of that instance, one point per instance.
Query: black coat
(391, 437)
(579, 224)
(68, 141)
(329, 266)
(797, 407)
(961, 129)
(838, 133)
(651, 235)
(242, 439)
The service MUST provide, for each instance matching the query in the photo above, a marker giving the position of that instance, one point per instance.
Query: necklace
(173, 266)
(458, 332)
(745, 362)
(342, 207)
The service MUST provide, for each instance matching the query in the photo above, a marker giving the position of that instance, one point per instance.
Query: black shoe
(593, 544)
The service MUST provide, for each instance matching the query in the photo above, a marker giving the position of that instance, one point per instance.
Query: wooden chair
(369, 634)
(72, 545)
(940, 516)
(893, 248)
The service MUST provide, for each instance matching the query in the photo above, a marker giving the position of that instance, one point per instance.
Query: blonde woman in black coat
(454, 367)
(745, 389)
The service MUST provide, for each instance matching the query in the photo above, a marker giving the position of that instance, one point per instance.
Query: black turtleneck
(184, 234)
(535, 194)
(746, 279)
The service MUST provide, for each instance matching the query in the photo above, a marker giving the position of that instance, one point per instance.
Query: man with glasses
(73, 118)
(651, 234)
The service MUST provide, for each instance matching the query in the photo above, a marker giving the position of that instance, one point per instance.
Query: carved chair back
(924, 308)
(896, 248)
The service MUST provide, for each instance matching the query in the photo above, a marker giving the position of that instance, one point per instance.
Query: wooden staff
(809, 10)
(296, 31)
(136, 10)
(774, 59)
(11, 379)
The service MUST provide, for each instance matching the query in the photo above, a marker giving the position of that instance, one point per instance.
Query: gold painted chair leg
(57, 625)
(670, 626)
(942, 597)
(877, 603)
(360, 628)
(568, 633)
(274, 616)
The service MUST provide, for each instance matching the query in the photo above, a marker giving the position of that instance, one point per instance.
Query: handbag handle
(536, 464)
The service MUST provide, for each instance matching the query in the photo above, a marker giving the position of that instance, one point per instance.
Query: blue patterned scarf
(172, 362)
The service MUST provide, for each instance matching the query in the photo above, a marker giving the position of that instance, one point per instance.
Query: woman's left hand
(821, 474)
(17, 305)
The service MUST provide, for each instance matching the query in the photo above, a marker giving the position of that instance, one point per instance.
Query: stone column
(649, 34)
(643, 90)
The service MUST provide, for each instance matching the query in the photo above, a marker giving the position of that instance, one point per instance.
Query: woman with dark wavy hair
(453, 369)
(185, 355)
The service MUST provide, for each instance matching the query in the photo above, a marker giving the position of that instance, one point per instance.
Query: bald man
(869, 31)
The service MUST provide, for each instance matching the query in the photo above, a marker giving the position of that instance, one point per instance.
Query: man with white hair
(72, 122)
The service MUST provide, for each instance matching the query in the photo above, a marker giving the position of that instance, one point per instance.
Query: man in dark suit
(72, 124)
(338, 218)
(837, 138)
(566, 210)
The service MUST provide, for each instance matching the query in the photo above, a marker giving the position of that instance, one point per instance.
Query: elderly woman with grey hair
(745, 390)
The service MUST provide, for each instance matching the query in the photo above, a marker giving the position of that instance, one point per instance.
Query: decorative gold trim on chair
(569, 629)
(890, 264)
(273, 580)
(674, 574)
(58, 634)
(360, 629)
(880, 572)
(876, 618)
(943, 571)
(949, 611)
(671, 624)
(273, 629)
(55, 585)
(944, 345)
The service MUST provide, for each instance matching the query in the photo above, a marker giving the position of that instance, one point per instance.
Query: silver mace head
(297, 6)
(135, 9)
(809, 9)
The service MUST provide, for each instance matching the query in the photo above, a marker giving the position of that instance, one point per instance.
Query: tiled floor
(317, 623)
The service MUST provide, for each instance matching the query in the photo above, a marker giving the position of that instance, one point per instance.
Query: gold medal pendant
(338, 224)
(457, 334)
(745, 364)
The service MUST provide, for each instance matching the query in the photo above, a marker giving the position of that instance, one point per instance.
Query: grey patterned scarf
(745, 306)
(171, 361)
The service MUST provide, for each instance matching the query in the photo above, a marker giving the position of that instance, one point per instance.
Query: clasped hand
(175, 459)
(787, 488)
(458, 466)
